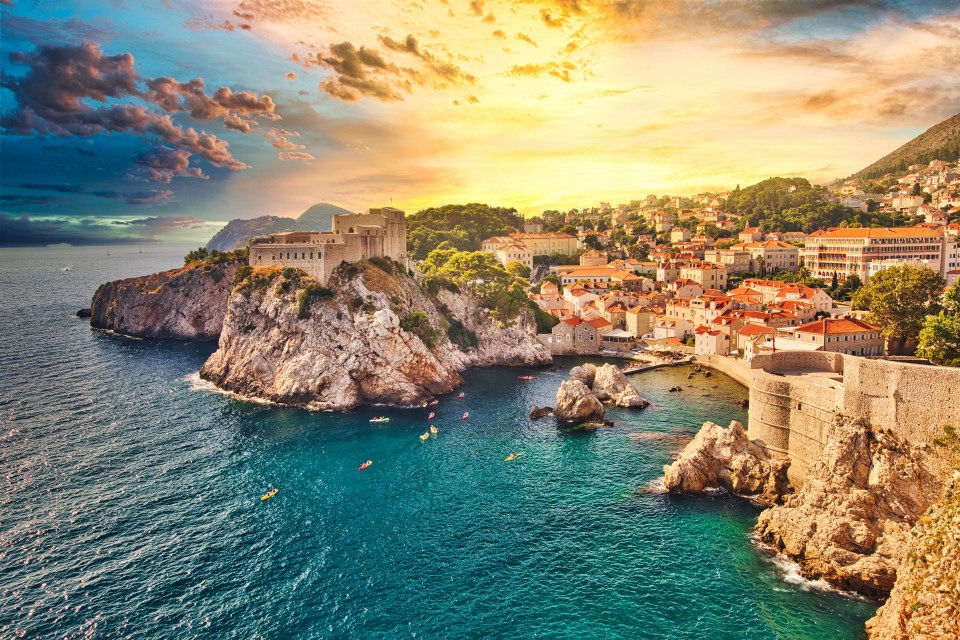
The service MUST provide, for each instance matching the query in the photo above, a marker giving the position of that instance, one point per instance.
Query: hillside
(237, 232)
(940, 142)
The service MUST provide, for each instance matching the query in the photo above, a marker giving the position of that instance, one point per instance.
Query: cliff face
(850, 522)
(182, 304)
(925, 602)
(379, 339)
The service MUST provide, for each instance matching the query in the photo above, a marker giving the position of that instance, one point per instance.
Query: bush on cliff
(202, 255)
(308, 294)
(418, 323)
(242, 274)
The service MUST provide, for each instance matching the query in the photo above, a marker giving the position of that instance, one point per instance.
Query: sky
(160, 120)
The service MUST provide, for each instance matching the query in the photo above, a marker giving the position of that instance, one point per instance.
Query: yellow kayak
(423, 437)
(434, 430)
(269, 495)
(512, 457)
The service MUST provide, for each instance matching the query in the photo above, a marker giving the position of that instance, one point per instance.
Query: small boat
(431, 416)
(460, 395)
(365, 465)
(434, 430)
(512, 457)
(424, 436)
(526, 377)
(380, 419)
(270, 494)
(434, 403)
(466, 414)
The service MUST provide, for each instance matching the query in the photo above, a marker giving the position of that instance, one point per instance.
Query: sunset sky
(163, 119)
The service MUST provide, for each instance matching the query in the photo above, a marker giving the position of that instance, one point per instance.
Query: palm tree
(803, 273)
(760, 266)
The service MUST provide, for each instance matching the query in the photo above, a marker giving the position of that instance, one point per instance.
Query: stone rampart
(794, 397)
(736, 368)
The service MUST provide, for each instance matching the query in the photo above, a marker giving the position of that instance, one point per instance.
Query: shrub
(242, 274)
(434, 283)
(418, 323)
(545, 321)
(308, 294)
(460, 335)
(384, 264)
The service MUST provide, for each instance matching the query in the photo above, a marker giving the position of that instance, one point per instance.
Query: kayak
(365, 465)
(526, 377)
(434, 430)
(465, 415)
(434, 403)
(512, 457)
(380, 419)
(460, 395)
(431, 416)
(270, 494)
(424, 436)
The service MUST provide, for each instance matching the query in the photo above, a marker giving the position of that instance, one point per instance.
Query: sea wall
(795, 397)
(736, 368)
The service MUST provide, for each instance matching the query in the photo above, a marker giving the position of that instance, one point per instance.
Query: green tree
(940, 335)
(464, 226)
(899, 299)
(518, 270)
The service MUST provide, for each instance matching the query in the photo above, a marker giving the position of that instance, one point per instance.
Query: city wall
(795, 396)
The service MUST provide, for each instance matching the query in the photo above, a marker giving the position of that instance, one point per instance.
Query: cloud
(360, 72)
(154, 226)
(525, 38)
(58, 93)
(163, 164)
(295, 155)
(59, 188)
(476, 7)
(278, 11)
(279, 139)
(151, 198)
(17, 200)
(549, 20)
(443, 72)
(559, 70)
(22, 231)
(499, 34)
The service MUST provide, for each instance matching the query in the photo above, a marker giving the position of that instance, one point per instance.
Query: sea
(132, 508)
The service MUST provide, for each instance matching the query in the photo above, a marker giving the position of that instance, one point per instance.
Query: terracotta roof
(833, 326)
(753, 329)
(886, 232)
(573, 322)
(599, 323)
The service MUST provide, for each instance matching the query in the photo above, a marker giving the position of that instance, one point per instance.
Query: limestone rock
(925, 601)
(585, 373)
(540, 412)
(719, 458)
(849, 524)
(576, 403)
(182, 304)
(351, 349)
(609, 384)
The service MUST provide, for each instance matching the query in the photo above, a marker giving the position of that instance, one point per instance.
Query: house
(710, 342)
(640, 321)
(706, 274)
(594, 258)
(672, 327)
(842, 335)
(772, 254)
(572, 336)
(751, 234)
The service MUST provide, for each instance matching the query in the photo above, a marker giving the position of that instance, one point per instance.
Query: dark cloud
(151, 198)
(17, 200)
(476, 7)
(22, 231)
(361, 72)
(443, 73)
(156, 225)
(550, 20)
(163, 164)
(63, 84)
(59, 188)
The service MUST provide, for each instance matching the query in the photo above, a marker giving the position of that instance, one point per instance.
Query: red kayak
(365, 465)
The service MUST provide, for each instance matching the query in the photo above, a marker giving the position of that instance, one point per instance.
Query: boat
(593, 425)
(424, 436)
(365, 465)
(434, 403)
(466, 414)
(460, 395)
(526, 377)
(512, 457)
(431, 416)
(434, 430)
(270, 494)
(380, 419)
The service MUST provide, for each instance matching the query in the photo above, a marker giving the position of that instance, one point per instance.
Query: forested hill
(940, 142)
(463, 226)
(785, 204)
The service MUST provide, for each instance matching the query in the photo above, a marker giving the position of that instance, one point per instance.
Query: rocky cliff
(374, 337)
(925, 602)
(728, 459)
(850, 522)
(183, 304)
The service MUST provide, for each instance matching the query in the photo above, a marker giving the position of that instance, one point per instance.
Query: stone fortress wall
(795, 396)
(376, 233)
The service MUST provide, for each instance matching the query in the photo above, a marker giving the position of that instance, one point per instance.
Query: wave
(791, 573)
(197, 383)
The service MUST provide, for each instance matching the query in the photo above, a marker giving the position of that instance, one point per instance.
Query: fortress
(795, 396)
(377, 233)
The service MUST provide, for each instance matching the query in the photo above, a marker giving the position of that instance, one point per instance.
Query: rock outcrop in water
(182, 304)
(850, 522)
(576, 403)
(373, 337)
(608, 384)
(925, 601)
(719, 458)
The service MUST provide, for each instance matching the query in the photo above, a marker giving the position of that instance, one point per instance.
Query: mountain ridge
(939, 142)
(238, 232)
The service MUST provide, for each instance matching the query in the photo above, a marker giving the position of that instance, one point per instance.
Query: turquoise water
(132, 502)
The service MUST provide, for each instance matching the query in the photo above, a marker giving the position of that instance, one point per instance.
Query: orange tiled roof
(833, 326)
